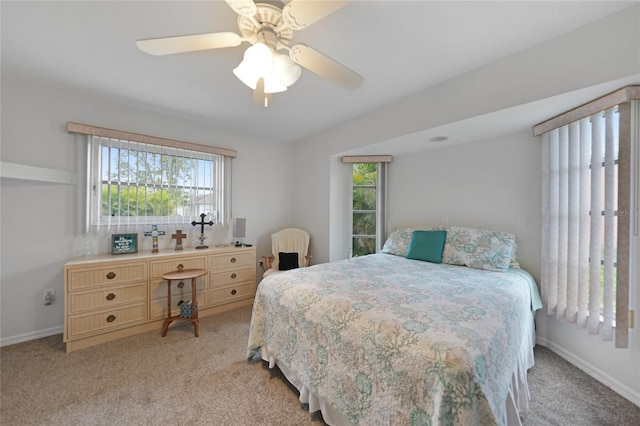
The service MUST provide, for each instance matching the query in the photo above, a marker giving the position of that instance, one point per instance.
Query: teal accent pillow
(427, 246)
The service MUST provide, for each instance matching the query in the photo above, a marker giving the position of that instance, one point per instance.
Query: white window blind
(135, 179)
(586, 228)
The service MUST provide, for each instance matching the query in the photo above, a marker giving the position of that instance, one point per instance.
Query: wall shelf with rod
(21, 172)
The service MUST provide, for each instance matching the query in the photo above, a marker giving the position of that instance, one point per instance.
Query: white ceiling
(399, 47)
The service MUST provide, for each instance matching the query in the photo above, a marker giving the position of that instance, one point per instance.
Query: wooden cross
(178, 236)
(154, 237)
(202, 223)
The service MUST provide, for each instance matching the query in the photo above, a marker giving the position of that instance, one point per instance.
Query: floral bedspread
(387, 340)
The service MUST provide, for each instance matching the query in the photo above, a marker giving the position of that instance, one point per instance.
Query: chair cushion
(287, 261)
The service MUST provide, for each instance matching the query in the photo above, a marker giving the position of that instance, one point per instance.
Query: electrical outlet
(522, 224)
(49, 296)
(444, 220)
(261, 264)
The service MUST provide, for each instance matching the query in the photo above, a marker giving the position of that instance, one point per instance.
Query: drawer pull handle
(111, 275)
(180, 267)
(233, 260)
(233, 292)
(180, 284)
(111, 318)
(233, 276)
(111, 296)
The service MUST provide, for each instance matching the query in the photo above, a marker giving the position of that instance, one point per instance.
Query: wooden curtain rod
(366, 159)
(607, 101)
(86, 129)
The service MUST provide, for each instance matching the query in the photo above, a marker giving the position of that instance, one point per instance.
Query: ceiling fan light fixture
(273, 84)
(285, 70)
(257, 62)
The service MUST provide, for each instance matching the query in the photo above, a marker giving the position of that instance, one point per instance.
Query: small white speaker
(239, 227)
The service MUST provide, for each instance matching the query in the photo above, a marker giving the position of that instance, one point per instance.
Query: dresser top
(163, 254)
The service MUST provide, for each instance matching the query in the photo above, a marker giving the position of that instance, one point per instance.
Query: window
(586, 203)
(135, 180)
(367, 203)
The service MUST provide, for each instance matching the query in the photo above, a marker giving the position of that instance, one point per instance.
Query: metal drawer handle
(233, 276)
(180, 267)
(180, 284)
(233, 292)
(111, 318)
(111, 275)
(233, 260)
(111, 296)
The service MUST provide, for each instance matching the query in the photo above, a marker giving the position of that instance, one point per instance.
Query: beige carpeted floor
(180, 380)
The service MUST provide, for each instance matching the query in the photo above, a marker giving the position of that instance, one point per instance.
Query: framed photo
(124, 243)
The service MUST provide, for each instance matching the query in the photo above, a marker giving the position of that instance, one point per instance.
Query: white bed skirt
(517, 399)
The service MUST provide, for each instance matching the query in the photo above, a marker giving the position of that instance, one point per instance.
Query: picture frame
(124, 243)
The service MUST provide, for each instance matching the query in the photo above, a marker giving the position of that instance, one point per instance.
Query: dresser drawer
(113, 296)
(87, 278)
(232, 260)
(159, 268)
(230, 277)
(230, 294)
(158, 288)
(85, 324)
(159, 306)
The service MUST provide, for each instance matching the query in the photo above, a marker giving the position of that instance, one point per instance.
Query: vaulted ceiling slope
(401, 48)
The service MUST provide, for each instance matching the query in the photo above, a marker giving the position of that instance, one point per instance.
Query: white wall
(41, 222)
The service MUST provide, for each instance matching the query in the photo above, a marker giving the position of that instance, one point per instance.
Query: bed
(389, 339)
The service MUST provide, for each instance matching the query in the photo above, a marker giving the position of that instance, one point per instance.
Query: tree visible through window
(364, 208)
(137, 183)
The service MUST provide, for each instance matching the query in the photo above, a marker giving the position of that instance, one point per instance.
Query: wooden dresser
(108, 297)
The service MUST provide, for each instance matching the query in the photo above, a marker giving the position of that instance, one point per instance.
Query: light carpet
(180, 379)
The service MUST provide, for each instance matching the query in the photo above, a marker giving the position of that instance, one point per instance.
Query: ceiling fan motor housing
(267, 20)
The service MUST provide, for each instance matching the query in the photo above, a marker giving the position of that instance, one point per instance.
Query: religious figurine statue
(202, 223)
(154, 237)
(178, 236)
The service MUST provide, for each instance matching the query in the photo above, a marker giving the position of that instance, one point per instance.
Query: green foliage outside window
(137, 183)
(365, 177)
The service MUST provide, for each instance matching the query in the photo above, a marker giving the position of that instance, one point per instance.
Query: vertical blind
(135, 183)
(136, 179)
(585, 222)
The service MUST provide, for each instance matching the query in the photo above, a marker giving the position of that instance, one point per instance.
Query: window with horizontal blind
(135, 180)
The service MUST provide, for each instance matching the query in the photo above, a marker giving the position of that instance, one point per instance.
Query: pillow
(398, 242)
(427, 246)
(287, 261)
(478, 248)
(515, 263)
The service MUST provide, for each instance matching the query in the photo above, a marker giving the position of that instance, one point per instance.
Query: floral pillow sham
(487, 250)
(479, 248)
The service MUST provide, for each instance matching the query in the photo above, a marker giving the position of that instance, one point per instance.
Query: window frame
(159, 144)
(380, 208)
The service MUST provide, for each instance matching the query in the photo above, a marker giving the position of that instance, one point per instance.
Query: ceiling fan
(268, 26)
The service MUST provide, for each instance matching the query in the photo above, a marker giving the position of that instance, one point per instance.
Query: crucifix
(178, 236)
(202, 223)
(154, 237)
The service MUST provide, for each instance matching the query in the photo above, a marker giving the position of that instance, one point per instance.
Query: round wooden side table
(185, 274)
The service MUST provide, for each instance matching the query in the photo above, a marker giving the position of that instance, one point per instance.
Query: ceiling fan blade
(243, 7)
(259, 96)
(189, 43)
(300, 14)
(324, 66)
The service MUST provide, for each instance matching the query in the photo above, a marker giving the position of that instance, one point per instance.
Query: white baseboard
(592, 371)
(12, 340)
